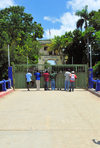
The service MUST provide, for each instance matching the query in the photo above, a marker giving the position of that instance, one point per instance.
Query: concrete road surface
(50, 119)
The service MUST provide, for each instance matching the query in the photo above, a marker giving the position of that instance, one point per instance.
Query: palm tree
(84, 18)
(56, 45)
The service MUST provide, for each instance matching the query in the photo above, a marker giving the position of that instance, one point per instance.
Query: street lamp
(27, 63)
(8, 57)
(90, 56)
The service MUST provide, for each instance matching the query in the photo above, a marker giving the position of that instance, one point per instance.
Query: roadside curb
(4, 93)
(94, 92)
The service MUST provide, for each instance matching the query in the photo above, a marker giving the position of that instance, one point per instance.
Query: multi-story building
(49, 56)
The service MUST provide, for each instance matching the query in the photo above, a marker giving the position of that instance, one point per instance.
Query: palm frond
(79, 24)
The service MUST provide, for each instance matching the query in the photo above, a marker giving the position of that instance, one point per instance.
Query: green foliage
(76, 44)
(97, 66)
(84, 16)
(76, 48)
(47, 65)
(70, 44)
(3, 63)
(83, 13)
(55, 45)
(97, 36)
(96, 69)
(89, 33)
(19, 31)
(59, 44)
(94, 19)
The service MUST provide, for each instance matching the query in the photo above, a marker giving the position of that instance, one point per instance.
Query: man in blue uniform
(37, 75)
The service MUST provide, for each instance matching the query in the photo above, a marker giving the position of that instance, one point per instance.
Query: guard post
(10, 75)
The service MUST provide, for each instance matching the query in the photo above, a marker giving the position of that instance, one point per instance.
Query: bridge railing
(92, 81)
(4, 84)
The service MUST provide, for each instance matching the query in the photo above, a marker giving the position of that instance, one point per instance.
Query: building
(48, 56)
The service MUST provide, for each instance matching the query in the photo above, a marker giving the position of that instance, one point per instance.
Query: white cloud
(6, 3)
(68, 20)
(52, 32)
(79, 4)
(51, 19)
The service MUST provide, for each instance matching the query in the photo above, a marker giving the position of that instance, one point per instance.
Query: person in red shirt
(72, 80)
(46, 79)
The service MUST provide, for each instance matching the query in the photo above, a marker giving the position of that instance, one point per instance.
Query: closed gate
(21, 70)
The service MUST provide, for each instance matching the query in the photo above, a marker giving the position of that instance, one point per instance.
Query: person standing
(37, 75)
(72, 80)
(67, 79)
(28, 79)
(46, 80)
(52, 78)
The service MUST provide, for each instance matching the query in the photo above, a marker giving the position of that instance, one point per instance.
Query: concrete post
(90, 78)
(10, 75)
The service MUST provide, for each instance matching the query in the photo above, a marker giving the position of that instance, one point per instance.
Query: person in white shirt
(28, 79)
(67, 79)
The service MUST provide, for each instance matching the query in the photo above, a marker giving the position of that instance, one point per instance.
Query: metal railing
(93, 82)
(97, 84)
(4, 86)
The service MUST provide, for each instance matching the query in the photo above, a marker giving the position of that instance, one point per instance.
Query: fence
(7, 83)
(21, 70)
(4, 86)
(92, 81)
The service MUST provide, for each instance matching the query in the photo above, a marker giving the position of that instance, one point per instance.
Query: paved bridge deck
(50, 119)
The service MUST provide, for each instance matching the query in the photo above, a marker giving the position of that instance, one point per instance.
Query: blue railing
(92, 81)
(4, 86)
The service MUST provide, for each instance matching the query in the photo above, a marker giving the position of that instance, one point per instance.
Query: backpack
(72, 78)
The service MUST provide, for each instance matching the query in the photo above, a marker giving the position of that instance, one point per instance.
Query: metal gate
(80, 70)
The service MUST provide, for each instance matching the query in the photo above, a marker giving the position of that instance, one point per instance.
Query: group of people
(69, 80)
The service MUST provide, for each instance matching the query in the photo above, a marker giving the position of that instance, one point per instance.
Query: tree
(71, 44)
(96, 69)
(55, 45)
(94, 19)
(84, 18)
(15, 21)
(76, 48)
(3, 63)
(19, 31)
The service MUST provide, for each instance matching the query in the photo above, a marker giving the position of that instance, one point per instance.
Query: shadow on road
(96, 142)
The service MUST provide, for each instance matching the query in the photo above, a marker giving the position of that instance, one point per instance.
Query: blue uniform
(38, 75)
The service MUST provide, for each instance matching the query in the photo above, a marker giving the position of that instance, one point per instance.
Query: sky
(55, 16)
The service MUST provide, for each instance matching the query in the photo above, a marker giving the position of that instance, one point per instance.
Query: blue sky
(41, 8)
(55, 16)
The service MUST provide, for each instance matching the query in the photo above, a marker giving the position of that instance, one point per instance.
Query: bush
(96, 70)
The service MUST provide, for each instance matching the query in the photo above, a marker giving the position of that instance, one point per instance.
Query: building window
(50, 52)
(45, 48)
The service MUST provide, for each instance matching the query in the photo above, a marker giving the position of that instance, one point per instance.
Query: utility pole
(90, 56)
(27, 63)
(8, 57)
(87, 50)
